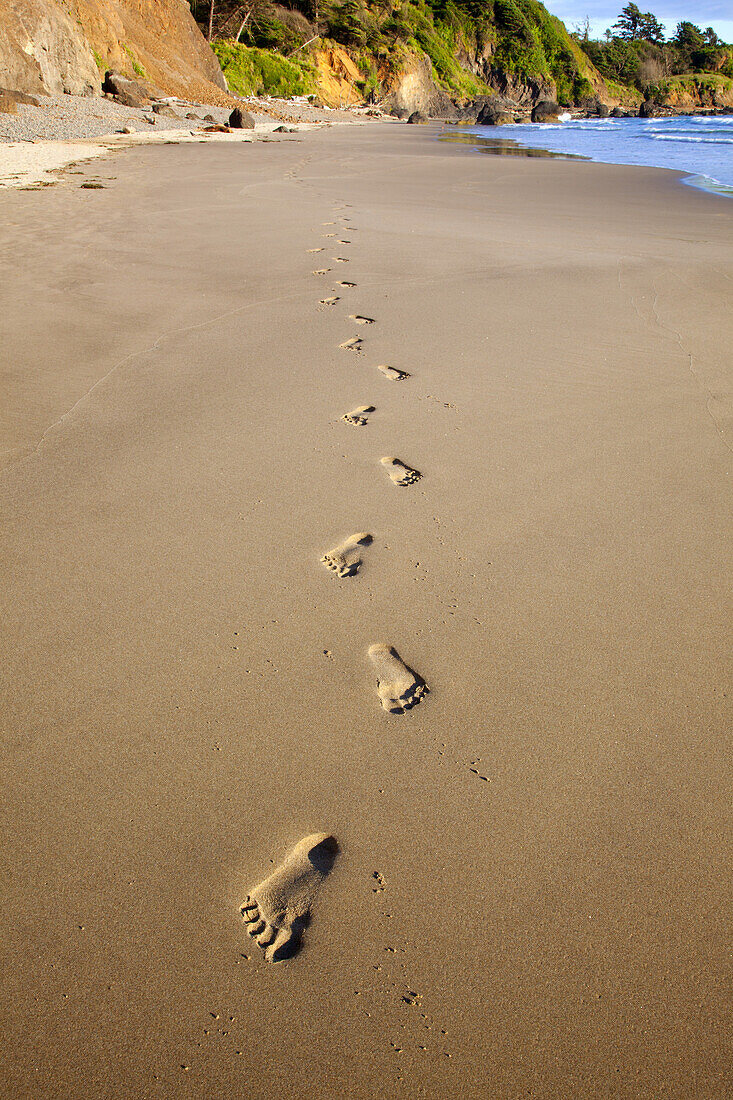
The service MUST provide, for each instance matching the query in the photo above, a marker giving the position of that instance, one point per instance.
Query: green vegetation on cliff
(253, 71)
(474, 47)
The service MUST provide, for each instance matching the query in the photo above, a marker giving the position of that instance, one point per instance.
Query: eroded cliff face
(54, 46)
(43, 50)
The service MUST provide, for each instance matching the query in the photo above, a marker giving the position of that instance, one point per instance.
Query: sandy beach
(518, 882)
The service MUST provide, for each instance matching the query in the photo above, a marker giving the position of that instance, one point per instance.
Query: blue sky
(717, 14)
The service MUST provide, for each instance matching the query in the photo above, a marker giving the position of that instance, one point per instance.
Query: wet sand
(527, 892)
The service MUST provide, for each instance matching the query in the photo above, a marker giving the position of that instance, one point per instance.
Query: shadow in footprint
(278, 910)
(399, 687)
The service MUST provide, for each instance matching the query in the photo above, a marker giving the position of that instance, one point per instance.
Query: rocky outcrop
(413, 89)
(50, 46)
(493, 116)
(546, 111)
(522, 91)
(686, 93)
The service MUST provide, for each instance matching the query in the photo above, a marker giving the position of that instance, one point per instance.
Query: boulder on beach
(130, 93)
(546, 111)
(493, 116)
(241, 120)
(649, 110)
(165, 110)
(417, 117)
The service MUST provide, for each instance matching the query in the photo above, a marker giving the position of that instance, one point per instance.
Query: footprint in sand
(393, 373)
(398, 686)
(321, 271)
(278, 910)
(314, 250)
(347, 284)
(344, 560)
(340, 259)
(400, 473)
(328, 223)
(344, 242)
(329, 234)
(330, 301)
(358, 416)
(354, 344)
(357, 317)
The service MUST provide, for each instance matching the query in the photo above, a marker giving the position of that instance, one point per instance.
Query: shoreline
(491, 142)
(204, 421)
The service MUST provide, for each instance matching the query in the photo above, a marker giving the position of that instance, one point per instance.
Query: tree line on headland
(634, 51)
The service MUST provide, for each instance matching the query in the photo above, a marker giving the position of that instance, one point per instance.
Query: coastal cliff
(49, 47)
(435, 57)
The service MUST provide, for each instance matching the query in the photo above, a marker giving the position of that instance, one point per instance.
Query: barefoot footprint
(322, 271)
(330, 301)
(361, 320)
(400, 473)
(354, 344)
(399, 687)
(393, 373)
(278, 910)
(358, 416)
(340, 259)
(345, 558)
(344, 284)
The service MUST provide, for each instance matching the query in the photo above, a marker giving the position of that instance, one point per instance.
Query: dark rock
(417, 117)
(130, 93)
(150, 119)
(19, 97)
(546, 111)
(165, 110)
(281, 130)
(493, 116)
(602, 110)
(649, 110)
(191, 115)
(241, 120)
(618, 112)
(209, 118)
(400, 112)
(522, 91)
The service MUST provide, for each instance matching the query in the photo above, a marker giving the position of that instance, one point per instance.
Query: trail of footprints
(277, 911)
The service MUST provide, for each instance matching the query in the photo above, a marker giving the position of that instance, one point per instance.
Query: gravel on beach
(77, 118)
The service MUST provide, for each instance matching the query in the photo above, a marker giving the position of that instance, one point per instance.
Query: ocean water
(699, 145)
